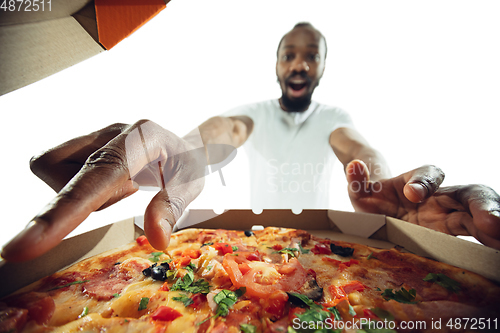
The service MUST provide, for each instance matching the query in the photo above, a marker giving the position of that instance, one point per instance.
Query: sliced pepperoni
(63, 281)
(13, 319)
(105, 283)
(40, 306)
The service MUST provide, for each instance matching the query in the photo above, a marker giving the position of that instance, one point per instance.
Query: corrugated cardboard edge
(454, 251)
(243, 219)
(16, 275)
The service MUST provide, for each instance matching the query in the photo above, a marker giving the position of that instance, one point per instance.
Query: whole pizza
(273, 280)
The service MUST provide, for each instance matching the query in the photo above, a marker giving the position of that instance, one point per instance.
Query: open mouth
(298, 87)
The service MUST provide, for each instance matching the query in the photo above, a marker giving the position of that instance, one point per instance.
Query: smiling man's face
(300, 66)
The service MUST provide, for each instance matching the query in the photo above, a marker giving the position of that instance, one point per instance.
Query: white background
(421, 80)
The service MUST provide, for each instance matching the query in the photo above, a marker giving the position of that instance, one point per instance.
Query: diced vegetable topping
(142, 240)
(223, 247)
(165, 313)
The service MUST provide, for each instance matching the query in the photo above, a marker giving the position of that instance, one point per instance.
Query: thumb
(422, 182)
(159, 220)
(358, 178)
(166, 208)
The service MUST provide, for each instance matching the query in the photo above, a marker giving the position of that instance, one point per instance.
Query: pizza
(272, 280)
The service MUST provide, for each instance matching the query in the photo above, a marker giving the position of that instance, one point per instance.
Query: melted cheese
(267, 273)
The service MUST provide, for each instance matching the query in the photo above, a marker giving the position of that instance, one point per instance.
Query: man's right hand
(95, 171)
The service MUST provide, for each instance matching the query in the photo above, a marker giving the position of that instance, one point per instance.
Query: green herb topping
(143, 304)
(188, 284)
(443, 281)
(302, 301)
(336, 313)
(156, 256)
(84, 312)
(184, 299)
(68, 284)
(401, 296)
(289, 250)
(303, 250)
(247, 328)
(226, 299)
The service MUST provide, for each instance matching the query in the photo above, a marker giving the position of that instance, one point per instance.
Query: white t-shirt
(290, 157)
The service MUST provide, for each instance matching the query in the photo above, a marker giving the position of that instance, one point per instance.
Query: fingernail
(419, 190)
(495, 213)
(32, 234)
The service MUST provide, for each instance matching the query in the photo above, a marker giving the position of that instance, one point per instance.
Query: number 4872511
(25, 5)
(472, 323)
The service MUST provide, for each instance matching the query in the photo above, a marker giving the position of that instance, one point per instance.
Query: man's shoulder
(327, 108)
(252, 109)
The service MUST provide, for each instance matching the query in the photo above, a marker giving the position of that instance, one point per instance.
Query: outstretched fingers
(92, 187)
(483, 204)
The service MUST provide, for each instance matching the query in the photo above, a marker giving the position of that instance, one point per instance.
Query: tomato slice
(321, 249)
(165, 313)
(191, 253)
(338, 294)
(275, 304)
(244, 268)
(264, 279)
(180, 262)
(198, 301)
(142, 240)
(223, 247)
(353, 286)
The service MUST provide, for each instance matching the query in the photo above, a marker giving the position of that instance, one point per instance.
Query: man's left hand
(415, 197)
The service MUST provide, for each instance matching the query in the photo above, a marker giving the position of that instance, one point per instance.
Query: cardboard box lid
(36, 44)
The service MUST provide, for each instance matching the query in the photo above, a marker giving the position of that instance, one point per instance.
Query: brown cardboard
(322, 223)
(17, 275)
(36, 44)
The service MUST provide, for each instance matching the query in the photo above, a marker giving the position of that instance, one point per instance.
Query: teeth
(297, 81)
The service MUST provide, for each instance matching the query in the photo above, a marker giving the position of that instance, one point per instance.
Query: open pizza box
(42, 37)
(373, 230)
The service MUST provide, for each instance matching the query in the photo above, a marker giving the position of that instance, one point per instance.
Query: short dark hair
(302, 25)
